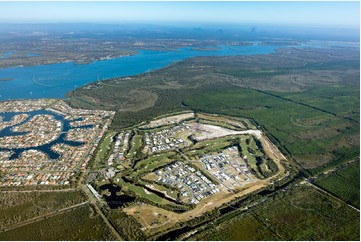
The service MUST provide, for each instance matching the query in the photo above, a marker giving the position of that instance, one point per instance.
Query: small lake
(55, 80)
(114, 200)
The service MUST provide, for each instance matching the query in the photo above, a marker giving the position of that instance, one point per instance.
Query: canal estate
(45, 142)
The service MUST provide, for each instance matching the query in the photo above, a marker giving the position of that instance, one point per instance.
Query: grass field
(17, 207)
(103, 150)
(344, 183)
(154, 161)
(251, 159)
(210, 146)
(140, 191)
(170, 192)
(79, 224)
(151, 163)
(135, 145)
(256, 159)
(300, 214)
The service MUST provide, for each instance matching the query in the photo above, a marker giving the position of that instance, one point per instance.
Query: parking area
(228, 168)
(225, 167)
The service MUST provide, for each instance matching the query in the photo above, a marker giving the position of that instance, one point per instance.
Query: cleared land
(139, 212)
(206, 131)
(168, 120)
(230, 122)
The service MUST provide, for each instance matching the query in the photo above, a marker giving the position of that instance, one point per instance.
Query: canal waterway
(46, 148)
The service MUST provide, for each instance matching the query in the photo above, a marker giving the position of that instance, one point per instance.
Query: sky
(333, 14)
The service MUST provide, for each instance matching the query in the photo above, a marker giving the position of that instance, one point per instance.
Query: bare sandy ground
(168, 120)
(207, 131)
(206, 204)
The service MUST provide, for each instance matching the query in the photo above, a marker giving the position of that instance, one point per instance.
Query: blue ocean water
(55, 80)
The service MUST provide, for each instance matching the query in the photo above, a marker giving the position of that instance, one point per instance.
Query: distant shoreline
(6, 79)
(72, 75)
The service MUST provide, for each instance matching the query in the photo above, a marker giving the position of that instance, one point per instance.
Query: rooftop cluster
(166, 139)
(120, 147)
(226, 171)
(228, 168)
(39, 130)
(193, 185)
(24, 105)
(43, 143)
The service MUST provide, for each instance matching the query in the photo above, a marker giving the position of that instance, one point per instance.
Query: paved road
(183, 155)
(93, 200)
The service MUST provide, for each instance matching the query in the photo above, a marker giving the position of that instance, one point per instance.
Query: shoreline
(78, 75)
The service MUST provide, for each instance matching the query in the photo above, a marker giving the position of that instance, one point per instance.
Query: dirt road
(39, 218)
